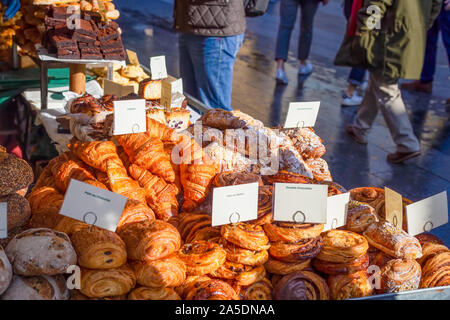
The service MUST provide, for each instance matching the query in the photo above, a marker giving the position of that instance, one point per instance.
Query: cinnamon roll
(393, 241)
(400, 275)
(348, 286)
(242, 274)
(239, 255)
(260, 290)
(202, 257)
(190, 283)
(341, 246)
(303, 285)
(205, 234)
(108, 282)
(190, 223)
(333, 268)
(212, 290)
(283, 268)
(146, 293)
(333, 188)
(366, 194)
(381, 259)
(150, 240)
(264, 206)
(246, 236)
(359, 216)
(436, 271)
(292, 232)
(292, 252)
(284, 176)
(235, 178)
(167, 272)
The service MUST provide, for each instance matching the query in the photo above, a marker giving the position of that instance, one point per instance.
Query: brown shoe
(418, 86)
(352, 132)
(398, 157)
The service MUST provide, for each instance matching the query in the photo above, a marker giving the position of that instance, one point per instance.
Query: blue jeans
(442, 24)
(288, 15)
(206, 66)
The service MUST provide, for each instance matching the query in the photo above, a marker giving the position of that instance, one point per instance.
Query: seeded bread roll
(18, 210)
(5, 271)
(40, 252)
(37, 288)
(15, 174)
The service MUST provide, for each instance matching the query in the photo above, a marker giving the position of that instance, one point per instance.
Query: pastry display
(400, 275)
(359, 216)
(202, 257)
(108, 282)
(302, 285)
(347, 286)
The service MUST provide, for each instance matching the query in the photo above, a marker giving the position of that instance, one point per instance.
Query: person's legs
(288, 15)
(187, 71)
(444, 21)
(308, 11)
(429, 64)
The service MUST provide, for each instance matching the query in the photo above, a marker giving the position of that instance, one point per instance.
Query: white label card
(235, 204)
(427, 214)
(302, 114)
(170, 86)
(129, 116)
(337, 211)
(300, 203)
(3, 220)
(158, 67)
(93, 205)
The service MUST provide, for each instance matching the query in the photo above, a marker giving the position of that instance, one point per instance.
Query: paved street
(147, 27)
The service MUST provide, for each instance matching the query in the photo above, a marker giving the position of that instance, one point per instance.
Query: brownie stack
(89, 39)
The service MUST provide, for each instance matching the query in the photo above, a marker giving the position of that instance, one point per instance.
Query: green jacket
(395, 47)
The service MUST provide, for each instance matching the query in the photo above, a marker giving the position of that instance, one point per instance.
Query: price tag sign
(92, 205)
(394, 207)
(117, 89)
(300, 203)
(234, 204)
(132, 57)
(158, 67)
(169, 86)
(302, 114)
(129, 116)
(337, 211)
(3, 220)
(427, 214)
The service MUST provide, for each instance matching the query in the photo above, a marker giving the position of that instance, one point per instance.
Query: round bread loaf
(18, 210)
(5, 271)
(40, 252)
(37, 288)
(15, 174)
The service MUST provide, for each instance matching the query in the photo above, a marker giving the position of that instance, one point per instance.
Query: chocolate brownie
(110, 24)
(68, 54)
(90, 50)
(112, 44)
(112, 50)
(59, 12)
(107, 34)
(51, 22)
(114, 56)
(82, 45)
(85, 28)
(62, 41)
(84, 38)
(91, 56)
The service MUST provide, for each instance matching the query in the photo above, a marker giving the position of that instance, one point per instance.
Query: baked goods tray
(438, 293)
(45, 56)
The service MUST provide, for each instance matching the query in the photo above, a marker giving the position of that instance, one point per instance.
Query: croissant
(45, 204)
(303, 285)
(160, 196)
(103, 178)
(148, 153)
(45, 179)
(145, 293)
(71, 170)
(156, 129)
(168, 147)
(108, 282)
(95, 153)
(135, 211)
(212, 290)
(123, 156)
(261, 290)
(189, 224)
(69, 225)
(121, 183)
(150, 240)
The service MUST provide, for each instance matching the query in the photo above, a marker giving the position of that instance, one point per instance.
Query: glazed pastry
(348, 286)
(366, 194)
(202, 257)
(341, 246)
(135, 211)
(99, 248)
(287, 177)
(246, 236)
(307, 143)
(146, 293)
(6, 272)
(221, 119)
(293, 252)
(428, 237)
(260, 290)
(395, 242)
(320, 170)
(190, 283)
(37, 288)
(108, 282)
(190, 223)
(150, 240)
(18, 210)
(400, 275)
(15, 174)
(44, 198)
(279, 267)
(265, 214)
(381, 259)
(359, 216)
(69, 225)
(436, 271)
(227, 160)
(236, 178)
(86, 104)
(95, 153)
(205, 234)
(212, 290)
(147, 153)
(237, 254)
(40, 252)
(333, 268)
(292, 232)
(303, 285)
(167, 272)
(241, 274)
(249, 120)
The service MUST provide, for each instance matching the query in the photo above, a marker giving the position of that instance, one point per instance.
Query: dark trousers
(441, 24)
(288, 15)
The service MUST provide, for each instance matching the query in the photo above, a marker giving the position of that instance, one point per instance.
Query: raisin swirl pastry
(292, 252)
(333, 188)
(190, 283)
(359, 216)
(146, 293)
(167, 272)
(190, 223)
(400, 275)
(265, 214)
(86, 104)
(235, 178)
(341, 246)
(436, 271)
(334, 268)
(307, 142)
(212, 290)
(205, 234)
(287, 177)
(303, 285)
(292, 232)
(348, 286)
(366, 194)
(107, 101)
(202, 257)
(260, 290)
(279, 267)
(240, 255)
(108, 282)
(246, 236)
(242, 274)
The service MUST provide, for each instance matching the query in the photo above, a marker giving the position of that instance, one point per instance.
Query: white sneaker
(282, 77)
(364, 85)
(354, 100)
(305, 69)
